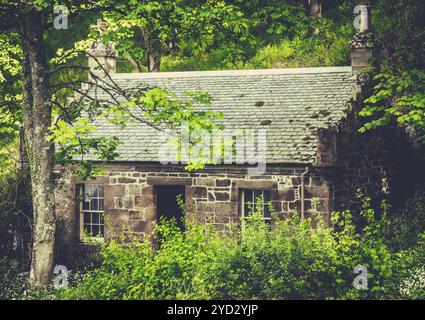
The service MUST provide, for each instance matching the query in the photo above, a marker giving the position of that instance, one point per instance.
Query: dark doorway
(167, 205)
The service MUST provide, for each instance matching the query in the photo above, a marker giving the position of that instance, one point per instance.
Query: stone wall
(380, 163)
(212, 194)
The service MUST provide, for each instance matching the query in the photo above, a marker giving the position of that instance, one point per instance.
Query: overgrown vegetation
(293, 260)
(15, 233)
(398, 97)
(281, 36)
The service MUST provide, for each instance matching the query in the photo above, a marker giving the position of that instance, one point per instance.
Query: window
(91, 211)
(252, 200)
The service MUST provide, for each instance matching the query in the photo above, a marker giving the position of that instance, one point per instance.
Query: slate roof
(296, 101)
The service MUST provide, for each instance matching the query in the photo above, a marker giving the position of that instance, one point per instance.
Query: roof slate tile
(296, 101)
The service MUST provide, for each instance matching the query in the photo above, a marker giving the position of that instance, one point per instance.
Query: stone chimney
(102, 57)
(361, 44)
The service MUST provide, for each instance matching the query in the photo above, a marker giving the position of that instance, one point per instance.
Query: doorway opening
(167, 205)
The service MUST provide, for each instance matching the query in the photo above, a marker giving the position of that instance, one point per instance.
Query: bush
(293, 260)
(13, 283)
(407, 225)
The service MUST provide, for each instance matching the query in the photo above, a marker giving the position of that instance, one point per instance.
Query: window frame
(81, 211)
(244, 215)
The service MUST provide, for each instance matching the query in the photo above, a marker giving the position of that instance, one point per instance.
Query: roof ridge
(230, 73)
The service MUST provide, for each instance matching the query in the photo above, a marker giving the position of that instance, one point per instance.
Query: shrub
(292, 260)
(406, 226)
(12, 282)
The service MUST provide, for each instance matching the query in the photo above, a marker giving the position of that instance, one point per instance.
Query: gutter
(302, 192)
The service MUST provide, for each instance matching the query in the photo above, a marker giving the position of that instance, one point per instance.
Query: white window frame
(253, 204)
(82, 197)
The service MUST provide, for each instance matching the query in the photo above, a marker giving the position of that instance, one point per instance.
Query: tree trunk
(37, 120)
(21, 205)
(314, 7)
(153, 50)
(153, 62)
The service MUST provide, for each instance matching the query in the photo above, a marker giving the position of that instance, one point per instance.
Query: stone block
(150, 214)
(135, 215)
(114, 191)
(317, 192)
(255, 184)
(144, 201)
(204, 182)
(222, 183)
(149, 190)
(125, 180)
(169, 181)
(296, 181)
(118, 203)
(222, 196)
(134, 189)
(286, 194)
(211, 197)
(128, 202)
(316, 181)
(225, 209)
(117, 218)
(196, 192)
(204, 206)
(141, 226)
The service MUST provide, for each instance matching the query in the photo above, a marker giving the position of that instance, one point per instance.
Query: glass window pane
(100, 191)
(248, 196)
(95, 191)
(258, 195)
(87, 229)
(102, 231)
(83, 193)
(267, 195)
(88, 191)
(266, 212)
(87, 218)
(101, 219)
(86, 204)
(95, 230)
(94, 204)
(100, 204)
(95, 218)
(247, 209)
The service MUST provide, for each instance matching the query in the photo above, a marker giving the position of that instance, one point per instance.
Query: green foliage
(10, 95)
(15, 238)
(12, 282)
(293, 260)
(407, 225)
(299, 53)
(283, 36)
(398, 95)
(155, 28)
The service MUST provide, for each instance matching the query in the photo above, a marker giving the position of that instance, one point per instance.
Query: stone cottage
(315, 158)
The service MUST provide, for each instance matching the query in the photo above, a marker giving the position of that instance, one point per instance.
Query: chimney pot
(102, 57)
(365, 18)
(361, 44)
